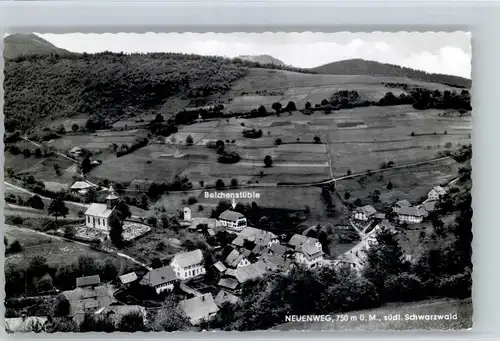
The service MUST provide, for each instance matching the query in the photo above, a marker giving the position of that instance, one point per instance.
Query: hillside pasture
(99, 140)
(410, 183)
(283, 86)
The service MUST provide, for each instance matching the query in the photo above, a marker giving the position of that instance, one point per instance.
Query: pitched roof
(112, 195)
(199, 307)
(299, 239)
(275, 262)
(231, 215)
(88, 280)
(185, 259)
(250, 272)
(75, 150)
(238, 241)
(116, 312)
(310, 249)
(226, 297)
(229, 283)
(81, 185)
(429, 206)
(128, 278)
(234, 258)
(220, 267)
(159, 276)
(83, 299)
(410, 211)
(402, 203)
(99, 210)
(278, 249)
(440, 190)
(368, 210)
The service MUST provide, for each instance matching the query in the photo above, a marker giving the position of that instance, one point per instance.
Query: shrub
(268, 161)
(192, 200)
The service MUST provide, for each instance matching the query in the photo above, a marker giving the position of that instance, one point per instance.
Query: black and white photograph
(180, 182)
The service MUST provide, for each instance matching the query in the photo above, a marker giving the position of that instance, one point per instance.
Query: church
(97, 215)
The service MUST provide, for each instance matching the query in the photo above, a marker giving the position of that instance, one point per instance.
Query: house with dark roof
(232, 220)
(277, 263)
(160, 279)
(233, 280)
(226, 297)
(199, 308)
(89, 299)
(364, 213)
(88, 281)
(116, 312)
(411, 215)
(188, 264)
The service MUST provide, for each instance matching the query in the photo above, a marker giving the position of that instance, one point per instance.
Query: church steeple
(112, 198)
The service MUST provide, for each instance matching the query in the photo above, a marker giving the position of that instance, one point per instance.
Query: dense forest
(107, 85)
(368, 67)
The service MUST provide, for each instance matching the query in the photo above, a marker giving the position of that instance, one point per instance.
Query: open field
(56, 252)
(410, 183)
(98, 140)
(283, 86)
(463, 309)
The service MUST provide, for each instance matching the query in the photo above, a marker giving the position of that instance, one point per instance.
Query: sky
(435, 52)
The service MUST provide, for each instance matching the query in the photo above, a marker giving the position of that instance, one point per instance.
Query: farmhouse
(257, 236)
(309, 254)
(236, 259)
(199, 308)
(88, 299)
(233, 220)
(364, 213)
(412, 215)
(160, 279)
(188, 264)
(116, 312)
(436, 193)
(81, 187)
(220, 268)
(233, 280)
(226, 297)
(76, 151)
(97, 215)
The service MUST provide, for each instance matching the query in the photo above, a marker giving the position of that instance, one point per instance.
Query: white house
(309, 254)
(160, 279)
(187, 214)
(364, 213)
(199, 308)
(411, 215)
(233, 220)
(81, 187)
(436, 193)
(97, 215)
(188, 264)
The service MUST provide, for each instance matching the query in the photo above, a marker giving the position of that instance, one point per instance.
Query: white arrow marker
(234, 204)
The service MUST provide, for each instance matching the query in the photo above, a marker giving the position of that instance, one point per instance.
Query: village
(202, 288)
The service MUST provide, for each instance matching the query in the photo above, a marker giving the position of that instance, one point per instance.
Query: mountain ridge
(358, 66)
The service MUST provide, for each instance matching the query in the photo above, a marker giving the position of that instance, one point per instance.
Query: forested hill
(16, 45)
(110, 84)
(371, 68)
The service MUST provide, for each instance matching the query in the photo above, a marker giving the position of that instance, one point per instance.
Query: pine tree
(384, 259)
(116, 230)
